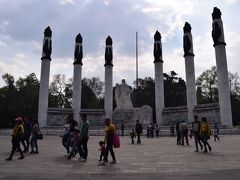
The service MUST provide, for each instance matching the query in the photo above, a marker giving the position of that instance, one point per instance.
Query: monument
(44, 79)
(190, 71)
(159, 86)
(122, 96)
(77, 78)
(222, 69)
(125, 112)
(108, 96)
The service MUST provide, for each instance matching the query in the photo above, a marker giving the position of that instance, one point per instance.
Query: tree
(207, 82)
(207, 90)
(174, 88)
(60, 92)
(18, 99)
(28, 90)
(92, 94)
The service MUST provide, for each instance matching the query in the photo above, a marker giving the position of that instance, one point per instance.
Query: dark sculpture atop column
(217, 31)
(187, 40)
(47, 44)
(78, 53)
(157, 52)
(108, 52)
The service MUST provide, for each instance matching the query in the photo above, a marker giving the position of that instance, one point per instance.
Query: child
(76, 139)
(102, 149)
(132, 135)
(216, 131)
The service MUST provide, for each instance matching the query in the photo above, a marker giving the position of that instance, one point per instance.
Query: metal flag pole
(137, 69)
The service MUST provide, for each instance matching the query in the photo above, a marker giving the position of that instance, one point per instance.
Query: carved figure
(78, 53)
(122, 96)
(47, 44)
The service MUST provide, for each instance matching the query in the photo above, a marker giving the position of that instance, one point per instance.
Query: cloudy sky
(22, 24)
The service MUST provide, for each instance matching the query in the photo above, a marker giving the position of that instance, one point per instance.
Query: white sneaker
(83, 160)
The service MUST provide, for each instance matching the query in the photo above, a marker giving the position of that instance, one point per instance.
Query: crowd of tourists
(25, 132)
(75, 140)
(75, 136)
(201, 132)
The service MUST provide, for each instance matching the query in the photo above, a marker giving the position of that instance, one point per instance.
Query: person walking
(84, 127)
(183, 127)
(216, 131)
(205, 132)
(17, 134)
(33, 141)
(172, 129)
(66, 136)
(110, 131)
(27, 132)
(138, 131)
(196, 133)
(132, 135)
(157, 131)
(122, 129)
(178, 134)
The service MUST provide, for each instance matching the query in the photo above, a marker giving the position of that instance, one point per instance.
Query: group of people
(75, 139)
(24, 132)
(136, 132)
(201, 132)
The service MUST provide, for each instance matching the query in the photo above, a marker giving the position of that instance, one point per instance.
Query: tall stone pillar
(190, 71)
(108, 96)
(159, 85)
(77, 78)
(44, 79)
(222, 69)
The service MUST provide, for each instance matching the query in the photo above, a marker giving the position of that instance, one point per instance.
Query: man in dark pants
(122, 129)
(27, 132)
(138, 131)
(196, 132)
(83, 150)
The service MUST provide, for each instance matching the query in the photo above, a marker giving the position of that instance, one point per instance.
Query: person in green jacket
(83, 149)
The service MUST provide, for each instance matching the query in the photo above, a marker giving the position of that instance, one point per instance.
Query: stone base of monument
(129, 116)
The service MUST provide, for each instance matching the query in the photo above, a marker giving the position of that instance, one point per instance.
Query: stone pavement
(158, 158)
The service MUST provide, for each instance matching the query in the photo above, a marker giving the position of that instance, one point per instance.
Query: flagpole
(137, 69)
(136, 59)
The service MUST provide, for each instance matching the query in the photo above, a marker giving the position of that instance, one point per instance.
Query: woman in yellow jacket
(205, 132)
(110, 131)
(17, 134)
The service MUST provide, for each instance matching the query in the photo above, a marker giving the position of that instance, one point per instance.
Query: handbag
(39, 135)
(116, 141)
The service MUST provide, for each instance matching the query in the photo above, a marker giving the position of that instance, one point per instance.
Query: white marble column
(44, 79)
(159, 85)
(190, 71)
(108, 96)
(222, 69)
(77, 78)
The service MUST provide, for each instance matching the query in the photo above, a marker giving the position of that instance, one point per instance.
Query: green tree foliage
(174, 89)
(60, 92)
(207, 84)
(207, 90)
(92, 93)
(18, 99)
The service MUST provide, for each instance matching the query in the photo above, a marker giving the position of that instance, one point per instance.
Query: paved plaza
(158, 158)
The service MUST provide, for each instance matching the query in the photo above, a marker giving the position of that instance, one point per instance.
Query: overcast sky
(22, 23)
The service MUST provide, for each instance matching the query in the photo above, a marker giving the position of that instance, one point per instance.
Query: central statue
(122, 96)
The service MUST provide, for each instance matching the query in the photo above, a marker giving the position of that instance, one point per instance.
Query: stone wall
(57, 116)
(175, 114)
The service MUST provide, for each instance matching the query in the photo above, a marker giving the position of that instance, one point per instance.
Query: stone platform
(154, 159)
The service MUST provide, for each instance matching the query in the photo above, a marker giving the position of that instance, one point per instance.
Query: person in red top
(102, 150)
